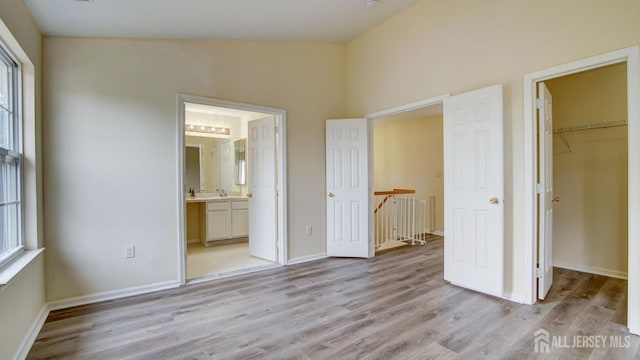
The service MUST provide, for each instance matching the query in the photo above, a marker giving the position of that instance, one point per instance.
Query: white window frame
(14, 152)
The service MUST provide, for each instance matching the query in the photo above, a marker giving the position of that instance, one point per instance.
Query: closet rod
(590, 126)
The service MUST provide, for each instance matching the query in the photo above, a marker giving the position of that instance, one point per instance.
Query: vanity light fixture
(208, 130)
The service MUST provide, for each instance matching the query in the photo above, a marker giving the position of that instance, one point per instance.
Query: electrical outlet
(130, 251)
(308, 230)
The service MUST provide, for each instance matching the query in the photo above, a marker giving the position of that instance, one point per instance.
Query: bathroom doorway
(231, 188)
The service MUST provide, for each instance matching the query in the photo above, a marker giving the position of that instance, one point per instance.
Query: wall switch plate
(308, 230)
(130, 251)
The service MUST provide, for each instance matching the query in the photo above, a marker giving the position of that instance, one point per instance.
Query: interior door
(348, 194)
(262, 194)
(474, 188)
(545, 191)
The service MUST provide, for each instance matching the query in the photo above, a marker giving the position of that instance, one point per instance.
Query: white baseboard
(513, 297)
(439, 233)
(591, 270)
(32, 334)
(193, 241)
(304, 259)
(111, 295)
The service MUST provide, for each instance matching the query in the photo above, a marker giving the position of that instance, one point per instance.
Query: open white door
(473, 190)
(545, 191)
(348, 188)
(261, 160)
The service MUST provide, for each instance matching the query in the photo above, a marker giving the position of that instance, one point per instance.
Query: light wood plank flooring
(396, 305)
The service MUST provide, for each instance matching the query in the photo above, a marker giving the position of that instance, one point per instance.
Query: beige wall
(590, 221)
(106, 99)
(409, 155)
(192, 221)
(20, 305)
(22, 300)
(438, 46)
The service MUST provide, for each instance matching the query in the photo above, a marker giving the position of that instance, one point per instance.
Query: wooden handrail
(388, 195)
(395, 192)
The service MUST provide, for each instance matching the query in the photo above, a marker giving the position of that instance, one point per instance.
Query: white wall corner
(32, 333)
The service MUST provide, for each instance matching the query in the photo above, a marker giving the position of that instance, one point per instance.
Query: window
(11, 239)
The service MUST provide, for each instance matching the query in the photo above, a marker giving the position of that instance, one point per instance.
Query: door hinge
(539, 272)
(539, 103)
(539, 188)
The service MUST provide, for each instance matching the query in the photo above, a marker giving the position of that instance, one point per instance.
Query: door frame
(631, 56)
(380, 114)
(281, 171)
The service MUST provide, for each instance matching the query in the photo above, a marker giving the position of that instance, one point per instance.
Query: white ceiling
(283, 20)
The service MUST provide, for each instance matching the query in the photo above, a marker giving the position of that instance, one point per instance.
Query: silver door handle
(331, 194)
(494, 201)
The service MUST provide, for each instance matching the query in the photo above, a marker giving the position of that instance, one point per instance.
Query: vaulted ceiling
(275, 20)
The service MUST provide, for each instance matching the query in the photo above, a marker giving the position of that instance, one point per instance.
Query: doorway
(474, 187)
(232, 214)
(408, 167)
(590, 171)
(631, 58)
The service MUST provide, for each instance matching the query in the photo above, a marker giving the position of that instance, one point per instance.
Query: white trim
(408, 107)
(507, 295)
(182, 204)
(631, 56)
(15, 267)
(281, 117)
(439, 233)
(111, 295)
(233, 273)
(304, 259)
(31, 335)
(592, 270)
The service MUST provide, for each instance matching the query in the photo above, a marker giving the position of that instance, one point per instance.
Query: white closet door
(545, 191)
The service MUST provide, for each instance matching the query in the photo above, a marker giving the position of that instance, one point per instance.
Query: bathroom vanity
(222, 218)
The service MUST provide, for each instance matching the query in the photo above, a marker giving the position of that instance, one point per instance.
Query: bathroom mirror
(240, 147)
(194, 172)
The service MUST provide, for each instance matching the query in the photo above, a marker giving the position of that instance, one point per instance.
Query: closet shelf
(564, 130)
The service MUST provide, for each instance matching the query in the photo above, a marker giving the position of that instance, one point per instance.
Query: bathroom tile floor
(220, 259)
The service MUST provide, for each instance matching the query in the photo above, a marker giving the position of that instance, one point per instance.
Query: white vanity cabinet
(240, 218)
(218, 220)
(223, 219)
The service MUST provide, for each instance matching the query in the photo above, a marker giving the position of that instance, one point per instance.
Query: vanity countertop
(198, 199)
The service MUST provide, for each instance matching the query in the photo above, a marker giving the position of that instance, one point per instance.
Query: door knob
(494, 201)
(331, 194)
(556, 199)
(249, 195)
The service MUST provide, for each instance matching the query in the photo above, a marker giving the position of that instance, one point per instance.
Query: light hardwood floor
(396, 305)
